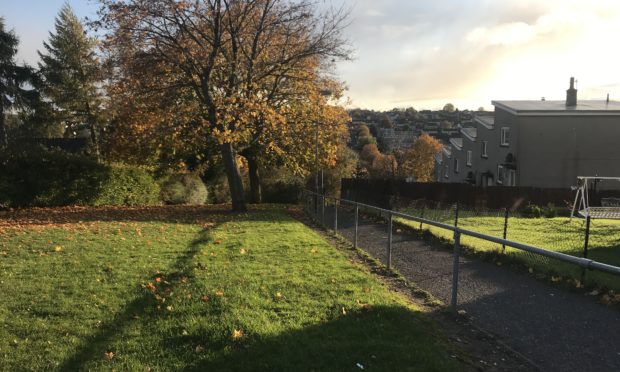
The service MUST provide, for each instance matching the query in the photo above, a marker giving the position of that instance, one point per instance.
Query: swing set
(609, 208)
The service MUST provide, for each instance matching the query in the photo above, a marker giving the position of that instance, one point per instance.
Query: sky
(425, 53)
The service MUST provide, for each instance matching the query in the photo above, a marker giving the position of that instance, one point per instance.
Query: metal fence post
(587, 238)
(323, 210)
(336, 216)
(456, 215)
(357, 209)
(455, 269)
(389, 252)
(505, 228)
(422, 216)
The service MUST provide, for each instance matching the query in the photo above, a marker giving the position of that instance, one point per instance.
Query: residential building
(539, 143)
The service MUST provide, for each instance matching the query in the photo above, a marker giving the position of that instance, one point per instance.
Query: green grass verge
(558, 234)
(258, 291)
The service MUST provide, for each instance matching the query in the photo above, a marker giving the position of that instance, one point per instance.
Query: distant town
(398, 128)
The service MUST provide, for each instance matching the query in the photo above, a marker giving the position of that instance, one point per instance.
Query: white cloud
(504, 34)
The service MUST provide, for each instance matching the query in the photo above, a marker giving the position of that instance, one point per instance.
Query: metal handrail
(579, 261)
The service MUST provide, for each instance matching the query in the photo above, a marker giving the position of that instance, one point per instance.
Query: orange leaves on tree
(420, 159)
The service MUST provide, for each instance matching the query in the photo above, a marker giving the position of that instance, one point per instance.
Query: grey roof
(470, 133)
(457, 142)
(531, 108)
(486, 120)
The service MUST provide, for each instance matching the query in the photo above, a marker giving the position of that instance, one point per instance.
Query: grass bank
(133, 289)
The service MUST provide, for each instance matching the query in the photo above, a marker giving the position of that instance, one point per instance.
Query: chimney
(571, 94)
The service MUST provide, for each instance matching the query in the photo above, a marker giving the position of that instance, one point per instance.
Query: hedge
(48, 178)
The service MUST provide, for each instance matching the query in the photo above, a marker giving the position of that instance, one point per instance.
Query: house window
(456, 165)
(484, 153)
(500, 175)
(447, 173)
(505, 136)
(512, 178)
(469, 158)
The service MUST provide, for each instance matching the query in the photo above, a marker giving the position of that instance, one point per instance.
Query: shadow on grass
(389, 338)
(177, 273)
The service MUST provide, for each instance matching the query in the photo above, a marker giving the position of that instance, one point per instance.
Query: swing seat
(606, 213)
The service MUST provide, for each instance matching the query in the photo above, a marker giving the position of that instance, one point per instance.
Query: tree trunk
(255, 189)
(3, 135)
(235, 183)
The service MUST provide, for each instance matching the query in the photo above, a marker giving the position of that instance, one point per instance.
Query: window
(484, 149)
(505, 136)
(512, 178)
(456, 165)
(447, 173)
(469, 158)
(500, 175)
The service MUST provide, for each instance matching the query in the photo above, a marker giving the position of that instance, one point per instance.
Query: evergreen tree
(12, 80)
(71, 75)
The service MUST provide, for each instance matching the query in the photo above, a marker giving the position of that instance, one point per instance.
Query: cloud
(478, 50)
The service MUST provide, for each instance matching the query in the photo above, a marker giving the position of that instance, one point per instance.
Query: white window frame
(500, 174)
(505, 136)
(512, 177)
(485, 147)
(447, 172)
(456, 165)
(469, 156)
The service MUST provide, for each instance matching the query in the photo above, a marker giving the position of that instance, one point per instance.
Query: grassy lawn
(557, 234)
(198, 290)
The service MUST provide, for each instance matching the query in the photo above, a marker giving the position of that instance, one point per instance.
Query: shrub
(35, 176)
(282, 192)
(218, 191)
(550, 211)
(532, 211)
(126, 185)
(184, 189)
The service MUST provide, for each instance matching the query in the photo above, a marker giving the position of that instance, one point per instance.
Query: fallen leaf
(58, 248)
(242, 251)
(205, 298)
(278, 295)
(109, 355)
(219, 293)
(237, 334)
(200, 349)
(556, 279)
(344, 311)
(158, 280)
(217, 242)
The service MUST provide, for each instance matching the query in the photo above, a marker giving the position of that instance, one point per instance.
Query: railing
(316, 198)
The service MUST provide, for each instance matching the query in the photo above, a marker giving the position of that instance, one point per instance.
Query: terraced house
(536, 143)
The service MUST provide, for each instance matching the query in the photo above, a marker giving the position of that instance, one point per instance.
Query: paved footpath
(557, 329)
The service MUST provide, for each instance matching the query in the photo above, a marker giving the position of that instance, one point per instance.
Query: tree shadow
(390, 338)
(143, 305)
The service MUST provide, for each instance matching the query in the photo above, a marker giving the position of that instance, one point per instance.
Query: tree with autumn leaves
(242, 75)
(420, 159)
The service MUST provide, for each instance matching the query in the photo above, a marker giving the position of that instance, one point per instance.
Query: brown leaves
(237, 334)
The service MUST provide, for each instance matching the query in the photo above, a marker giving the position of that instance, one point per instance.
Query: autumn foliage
(420, 159)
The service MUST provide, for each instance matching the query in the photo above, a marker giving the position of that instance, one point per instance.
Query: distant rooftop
(537, 108)
(470, 133)
(487, 121)
(457, 143)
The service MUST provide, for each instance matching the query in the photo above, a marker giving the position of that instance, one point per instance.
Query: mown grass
(258, 291)
(559, 234)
